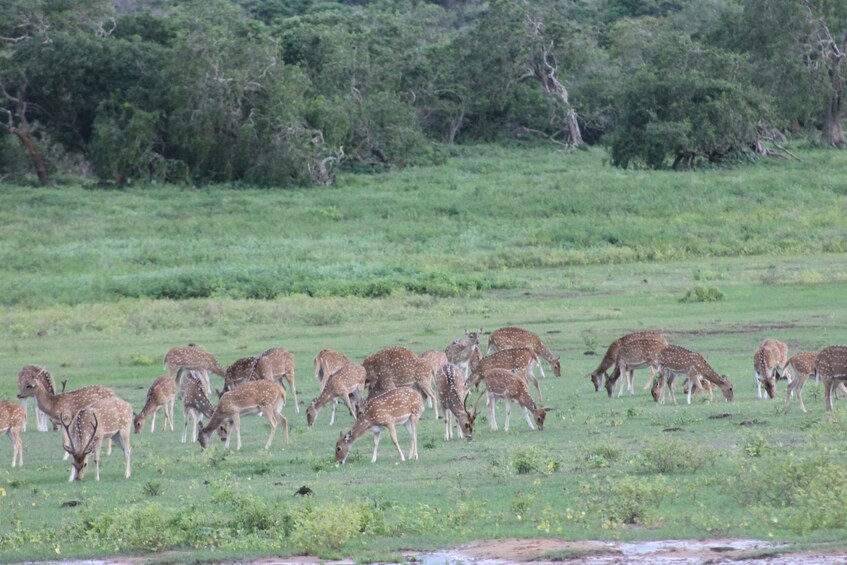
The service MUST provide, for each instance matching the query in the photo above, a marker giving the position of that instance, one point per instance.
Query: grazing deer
(453, 397)
(36, 383)
(239, 372)
(327, 361)
(508, 385)
(513, 338)
(701, 386)
(610, 358)
(346, 381)
(768, 364)
(12, 421)
(396, 406)
(383, 362)
(634, 353)
(107, 418)
(161, 394)
(798, 369)
(831, 369)
(192, 358)
(277, 364)
(459, 352)
(522, 359)
(250, 398)
(675, 361)
(404, 372)
(195, 403)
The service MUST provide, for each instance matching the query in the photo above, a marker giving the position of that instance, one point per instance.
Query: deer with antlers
(12, 421)
(253, 397)
(675, 361)
(513, 338)
(161, 394)
(33, 382)
(397, 406)
(192, 358)
(453, 397)
(195, 403)
(107, 418)
(609, 360)
(507, 384)
(768, 363)
(459, 352)
(277, 364)
(347, 381)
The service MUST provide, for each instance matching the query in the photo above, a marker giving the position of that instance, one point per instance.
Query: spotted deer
(508, 385)
(397, 406)
(768, 363)
(106, 418)
(250, 398)
(404, 372)
(239, 372)
(435, 358)
(634, 353)
(383, 361)
(12, 421)
(453, 397)
(513, 338)
(41, 419)
(347, 381)
(34, 383)
(521, 359)
(161, 394)
(610, 358)
(327, 361)
(831, 369)
(179, 359)
(277, 364)
(460, 350)
(797, 370)
(195, 403)
(675, 361)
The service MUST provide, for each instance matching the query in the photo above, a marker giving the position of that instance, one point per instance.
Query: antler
(90, 446)
(70, 449)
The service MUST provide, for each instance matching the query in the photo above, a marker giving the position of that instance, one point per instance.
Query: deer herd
(388, 388)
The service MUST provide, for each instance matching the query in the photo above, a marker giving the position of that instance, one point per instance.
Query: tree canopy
(284, 92)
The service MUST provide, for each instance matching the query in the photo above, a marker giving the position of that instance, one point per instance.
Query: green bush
(321, 527)
(671, 456)
(702, 293)
(620, 500)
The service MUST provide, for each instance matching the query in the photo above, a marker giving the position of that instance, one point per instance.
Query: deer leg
(692, 380)
(294, 393)
(758, 385)
(508, 403)
(528, 418)
(492, 421)
(236, 422)
(332, 416)
(66, 442)
(376, 446)
(281, 419)
(98, 443)
(412, 428)
(270, 413)
(19, 447)
(448, 424)
(153, 422)
(392, 432)
(349, 404)
(531, 376)
(829, 386)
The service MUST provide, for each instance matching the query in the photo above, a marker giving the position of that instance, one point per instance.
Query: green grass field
(97, 285)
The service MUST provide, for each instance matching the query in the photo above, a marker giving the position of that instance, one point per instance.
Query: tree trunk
(832, 134)
(38, 161)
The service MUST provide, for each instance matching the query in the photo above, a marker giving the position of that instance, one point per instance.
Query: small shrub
(143, 360)
(702, 293)
(670, 457)
(756, 446)
(532, 459)
(152, 488)
(624, 499)
(325, 527)
(603, 456)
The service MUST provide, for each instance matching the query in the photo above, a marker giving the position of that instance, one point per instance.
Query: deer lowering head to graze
(192, 358)
(513, 338)
(195, 403)
(610, 358)
(521, 359)
(12, 421)
(252, 397)
(768, 363)
(327, 361)
(277, 364)
(29, 371)
(634, 353)
(831, 369)
(347, 381)
(108, 418)
(161, 394)
(383, 361)
(37, 385)
(460, 350)
(453, 397)
(397, 406)
(405, 372)
(508, 385)
(675, 361)
(239, 372)
(798, 369)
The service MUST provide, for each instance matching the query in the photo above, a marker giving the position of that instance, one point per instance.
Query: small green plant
(702, 293)
(325, 526)
(141, 360)
(532, 459)
(152, 488)
(620, 500)
(756, 446)
(603, 456)
(671, 456)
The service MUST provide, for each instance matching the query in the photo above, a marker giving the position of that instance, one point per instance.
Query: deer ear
(548, 409)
